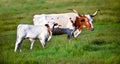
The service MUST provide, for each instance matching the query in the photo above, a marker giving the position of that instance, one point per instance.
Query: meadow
(101, 46)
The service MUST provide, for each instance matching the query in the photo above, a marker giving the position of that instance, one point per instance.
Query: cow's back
(64, 20)
(61, 19)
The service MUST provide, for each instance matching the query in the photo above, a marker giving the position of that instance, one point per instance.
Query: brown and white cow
(70, 23)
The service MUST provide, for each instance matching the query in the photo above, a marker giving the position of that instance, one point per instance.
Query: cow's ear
(46, 25)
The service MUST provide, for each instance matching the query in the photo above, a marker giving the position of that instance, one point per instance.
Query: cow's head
(83, 21)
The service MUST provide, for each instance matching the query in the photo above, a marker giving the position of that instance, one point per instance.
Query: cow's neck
(80, 28)
(77, 31)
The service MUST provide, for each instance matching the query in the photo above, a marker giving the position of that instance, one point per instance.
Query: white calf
(41, 32)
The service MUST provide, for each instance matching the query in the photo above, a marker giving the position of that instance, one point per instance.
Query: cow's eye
(83, 20)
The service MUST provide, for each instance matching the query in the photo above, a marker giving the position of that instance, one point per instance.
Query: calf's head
(51, 25)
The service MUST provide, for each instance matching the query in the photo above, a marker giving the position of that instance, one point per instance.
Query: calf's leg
(42, 42)
(32, 42)
(18, 44)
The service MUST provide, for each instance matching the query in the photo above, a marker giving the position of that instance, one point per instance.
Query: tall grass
(98, 47)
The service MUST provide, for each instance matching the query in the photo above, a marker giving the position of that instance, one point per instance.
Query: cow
(41, 32)
(70, 23)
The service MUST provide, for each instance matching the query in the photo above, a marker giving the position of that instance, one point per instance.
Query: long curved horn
(95, 13)
(75, 11)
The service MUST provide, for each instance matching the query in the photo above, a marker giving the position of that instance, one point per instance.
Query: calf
(41, 32)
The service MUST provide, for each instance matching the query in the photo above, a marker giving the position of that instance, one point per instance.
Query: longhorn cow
(69, 23)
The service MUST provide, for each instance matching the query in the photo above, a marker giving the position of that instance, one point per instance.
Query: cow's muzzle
(92, 29)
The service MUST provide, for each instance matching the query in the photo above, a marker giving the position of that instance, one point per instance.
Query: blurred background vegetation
(13, 12)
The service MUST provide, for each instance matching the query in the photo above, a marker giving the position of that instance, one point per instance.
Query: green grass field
(101, 46)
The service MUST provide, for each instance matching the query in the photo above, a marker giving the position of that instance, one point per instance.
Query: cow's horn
(75, 11)
(95, 13)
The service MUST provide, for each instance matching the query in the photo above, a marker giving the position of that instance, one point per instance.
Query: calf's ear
(55, 24)
(46, 25)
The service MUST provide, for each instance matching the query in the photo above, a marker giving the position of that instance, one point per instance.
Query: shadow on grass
(98, 42)
(94, 45)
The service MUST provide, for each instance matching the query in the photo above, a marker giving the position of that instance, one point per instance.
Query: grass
(98, 47)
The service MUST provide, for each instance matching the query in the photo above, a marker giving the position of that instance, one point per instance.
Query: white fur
(32, 32)
(62, 19)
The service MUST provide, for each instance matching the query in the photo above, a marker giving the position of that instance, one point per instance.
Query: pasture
(101, 46)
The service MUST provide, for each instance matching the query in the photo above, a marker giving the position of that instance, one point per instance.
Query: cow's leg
(18, 44)
(70, 35)
(32, 42)
(69, 38)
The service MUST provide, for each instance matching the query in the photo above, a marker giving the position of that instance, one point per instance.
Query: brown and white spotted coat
(70, 23)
